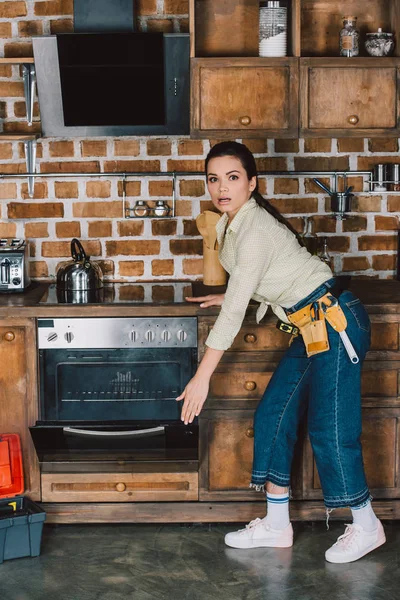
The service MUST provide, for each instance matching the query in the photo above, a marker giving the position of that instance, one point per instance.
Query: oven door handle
(122, 434)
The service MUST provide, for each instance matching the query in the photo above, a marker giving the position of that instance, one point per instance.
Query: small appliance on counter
(14, 259)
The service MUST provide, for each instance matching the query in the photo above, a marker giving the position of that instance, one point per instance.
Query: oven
(108, 389)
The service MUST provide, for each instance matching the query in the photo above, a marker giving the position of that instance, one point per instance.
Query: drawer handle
(250, 432)
(250, 338)
(120, 487)
(246, 120)
(250, 386)
(9, 336)
(353, 119)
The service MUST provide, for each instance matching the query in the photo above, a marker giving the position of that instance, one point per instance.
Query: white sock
(278, 510)
(365, 517)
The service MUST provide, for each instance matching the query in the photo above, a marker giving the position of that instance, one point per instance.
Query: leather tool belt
(311, 321)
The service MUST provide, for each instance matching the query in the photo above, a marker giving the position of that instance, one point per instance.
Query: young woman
(262, 254)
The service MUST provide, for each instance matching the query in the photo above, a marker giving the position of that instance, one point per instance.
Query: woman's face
(228, 184)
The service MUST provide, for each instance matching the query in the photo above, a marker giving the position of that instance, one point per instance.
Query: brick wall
(364, 244)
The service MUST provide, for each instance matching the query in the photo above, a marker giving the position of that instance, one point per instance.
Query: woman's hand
(206, 301)
(194, 396)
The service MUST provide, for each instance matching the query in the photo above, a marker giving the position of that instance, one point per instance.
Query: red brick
(132, 188)
(70, 166)
(98, 189)
(190, 227)
(351, 145)
(58, 249)
(386, 223)
(355, 224)
(183, 208)
(367, 163)
(131, 268)
(68, 229)
(97, 209)
(126, 148)
(98, 229)
(287, 146)
(5, 71)
(185, 165)
(38, 268)
(124, 166)
(94, 148)
(61, 149)
(357, 183)
(8, 230)
(29, 28)
(61, 26)
(54, 7)
(133, 248)
(131, 293)
(20, 110)
(295, 205)
(147, 7)
(321, 163)
(162, 267)
(9, 10)
(364, 204)
(384, 262)
(191, 147)
(317, 145)
(377, 242)
(183, 25)
(160, 188)
(383, 145)
(107, 267)
(176, 7)
(39, 193)
(257, 146)
(188, 247)
(393, 203)
(36, 230)
(163, 25)
(192, 266)
(18, 49)
(297, 223)
(355, 263)
(8, 191)
(338, 243)
(271, 164)
(324, 224)
(130, 228)
(11, 89)
(13, 167)
(286, 186)
(312, 188)
(193, 188)
(6, 151)
(66, 189)
(5, 30)
(163, 227)
(35, 210)
(21, 150)
(159, 148)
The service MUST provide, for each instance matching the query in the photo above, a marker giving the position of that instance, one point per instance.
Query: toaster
(14, 259)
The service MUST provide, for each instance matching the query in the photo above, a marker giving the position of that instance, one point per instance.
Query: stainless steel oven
(108, 389)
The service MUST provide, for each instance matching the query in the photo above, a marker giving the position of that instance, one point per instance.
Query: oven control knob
(69, 336)
(166, 336)
(182, 335)
(150, 336)
(52, 337)
(134, 336)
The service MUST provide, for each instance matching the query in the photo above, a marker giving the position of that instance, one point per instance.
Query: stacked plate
(274, 46)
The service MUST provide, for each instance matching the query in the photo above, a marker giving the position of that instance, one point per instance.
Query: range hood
(114, 81)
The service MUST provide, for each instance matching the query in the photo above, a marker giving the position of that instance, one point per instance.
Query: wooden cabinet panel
(18, 392)
(252, 97)
(380, 383)
(380, 439)
(259, 338)
(239, 384)
(384, 336)
(119, 487)
(356, 97)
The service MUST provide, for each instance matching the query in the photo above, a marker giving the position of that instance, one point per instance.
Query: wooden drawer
(260, 337)
(122, 487)
(384, 336)
(239, 384)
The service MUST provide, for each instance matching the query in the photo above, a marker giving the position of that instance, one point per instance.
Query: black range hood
(114, 81)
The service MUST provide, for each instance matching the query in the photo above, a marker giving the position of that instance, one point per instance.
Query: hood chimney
(104, 16)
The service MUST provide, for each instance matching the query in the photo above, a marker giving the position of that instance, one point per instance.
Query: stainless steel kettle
(80, 273)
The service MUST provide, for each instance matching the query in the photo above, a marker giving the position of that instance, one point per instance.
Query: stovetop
(119, 293)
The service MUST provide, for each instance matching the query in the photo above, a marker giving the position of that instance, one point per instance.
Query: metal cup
(395, 177)
(380, 177)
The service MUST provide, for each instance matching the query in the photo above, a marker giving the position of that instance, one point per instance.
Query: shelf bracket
(30, 157)
(29, 78)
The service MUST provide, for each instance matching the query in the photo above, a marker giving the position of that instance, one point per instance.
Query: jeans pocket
(360, 315)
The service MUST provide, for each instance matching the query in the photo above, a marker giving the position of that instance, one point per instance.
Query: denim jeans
(328, 386)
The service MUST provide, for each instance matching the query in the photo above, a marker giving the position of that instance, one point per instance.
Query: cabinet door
(247, 97)
(354, 97)
(18, 392)
(226, 456)
(380, 440)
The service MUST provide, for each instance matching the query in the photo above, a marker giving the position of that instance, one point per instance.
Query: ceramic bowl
(379, 44)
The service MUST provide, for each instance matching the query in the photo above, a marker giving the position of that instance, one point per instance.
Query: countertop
(379, 296)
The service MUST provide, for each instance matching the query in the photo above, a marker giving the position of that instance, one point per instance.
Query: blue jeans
(329, 386)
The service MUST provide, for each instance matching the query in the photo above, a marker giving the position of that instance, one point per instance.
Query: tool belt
(311, 322)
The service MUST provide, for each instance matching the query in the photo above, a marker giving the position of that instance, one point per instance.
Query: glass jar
(161, 209)
(349, 38)
(141, 209)
(309, 238)
(273, 29)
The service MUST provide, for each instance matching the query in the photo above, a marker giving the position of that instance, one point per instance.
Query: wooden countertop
(379, 296)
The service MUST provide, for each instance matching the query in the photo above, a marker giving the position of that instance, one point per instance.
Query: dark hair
(242, 153)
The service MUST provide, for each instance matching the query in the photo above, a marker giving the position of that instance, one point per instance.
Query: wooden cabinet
(359, 97)
(244, 97)
(18, 392)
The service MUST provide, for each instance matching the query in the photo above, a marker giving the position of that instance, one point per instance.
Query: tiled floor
(176, 562)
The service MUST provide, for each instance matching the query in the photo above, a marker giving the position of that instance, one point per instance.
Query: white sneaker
(258, 534)
(355, 543)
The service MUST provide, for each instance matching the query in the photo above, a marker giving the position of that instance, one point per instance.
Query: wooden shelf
(17, 61)
(17, 137)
